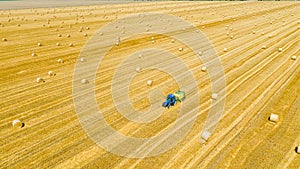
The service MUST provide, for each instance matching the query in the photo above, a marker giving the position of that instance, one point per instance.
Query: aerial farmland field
(82, 85)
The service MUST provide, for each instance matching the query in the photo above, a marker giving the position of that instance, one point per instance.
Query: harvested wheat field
(257, 44)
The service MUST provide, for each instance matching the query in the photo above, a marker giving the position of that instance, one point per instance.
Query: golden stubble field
(260, 80)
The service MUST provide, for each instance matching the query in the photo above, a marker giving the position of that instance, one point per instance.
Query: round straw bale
(149, 82)
(274, 117)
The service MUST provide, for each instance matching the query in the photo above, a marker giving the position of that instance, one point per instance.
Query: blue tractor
(171, 100)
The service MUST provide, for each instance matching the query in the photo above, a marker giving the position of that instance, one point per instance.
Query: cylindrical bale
(57, 44)
(60, 61)
(274, 117)
(82, 60)
(264, 47)
(279, 49)
(138, 69)
(4, 39)
(297, 149)
(205, 135)
(203, 68)
(39, 80)
(84, 81)
(149, 82)
(39, 44)
(225, 49)
(214, 96)
(200, 53)
(17, 123)
(180, 49)
(294, 57)
(33, 54)
(51, 73)
(140, 56)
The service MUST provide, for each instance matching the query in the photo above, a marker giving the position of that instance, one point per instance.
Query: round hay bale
(200, 53)
(180, 49)
(270, 36)
(279, 49)
(138, 69)
(149, 82)
(264, 47)
(51, 73)
(82, 60)
(60, 61)
(85, 34)
(294, 57)
(57, 44)
(87, 28)
(33, 54)
(172, 40)
(253, 32)
(59, 35)
(297, 149)
(225, 49)
(203, 68)
(231, 37)
(140, 56)
(84, 81)
(101, 33)
(4, 39)
(68, 35)
(153, 41)
(152, 38)
(274, 117)
(39, 44)
(17, 123)
(39, 80)
(71, 45)
(205, 135)
(214, 96)
(262, 33)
